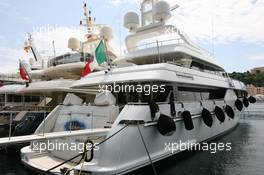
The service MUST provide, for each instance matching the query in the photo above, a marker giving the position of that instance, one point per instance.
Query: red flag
(23, 73)
(87, 69)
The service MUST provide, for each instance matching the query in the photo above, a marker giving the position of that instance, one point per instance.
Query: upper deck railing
(167, 42)
(182, 43)
(177, 41)
(65, 59)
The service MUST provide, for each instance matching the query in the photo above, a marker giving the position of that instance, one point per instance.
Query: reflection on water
(245, 158)
(10, 164)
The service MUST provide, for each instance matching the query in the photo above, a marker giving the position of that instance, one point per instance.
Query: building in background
(257, 70)
(252, 90)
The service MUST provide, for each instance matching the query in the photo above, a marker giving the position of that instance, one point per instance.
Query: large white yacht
(164, 91)
(56, 77)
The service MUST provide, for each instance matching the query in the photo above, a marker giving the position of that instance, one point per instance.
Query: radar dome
(161, 11)
(106, 33)
(131, 20)
(74, 44)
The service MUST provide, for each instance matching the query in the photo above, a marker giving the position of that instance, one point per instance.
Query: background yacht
(13, 110)
(50, 80)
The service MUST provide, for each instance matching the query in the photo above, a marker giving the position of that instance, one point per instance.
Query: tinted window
(197, 94)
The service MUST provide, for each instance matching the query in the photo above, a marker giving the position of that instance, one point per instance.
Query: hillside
(248, 78)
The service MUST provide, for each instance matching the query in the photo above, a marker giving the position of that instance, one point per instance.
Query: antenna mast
(31, 45)
(213, 34)
(54, 50)
(146, 18)
(88, 19)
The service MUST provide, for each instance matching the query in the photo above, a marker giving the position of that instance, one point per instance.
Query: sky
(232, 30)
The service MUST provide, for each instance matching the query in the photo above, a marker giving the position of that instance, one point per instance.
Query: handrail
(176, 41)
(65, 59)
(54, 135)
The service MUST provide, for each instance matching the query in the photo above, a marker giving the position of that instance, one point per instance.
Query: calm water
(245, 158)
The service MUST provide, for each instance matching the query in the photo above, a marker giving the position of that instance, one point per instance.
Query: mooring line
(146, 148)
(78, 155)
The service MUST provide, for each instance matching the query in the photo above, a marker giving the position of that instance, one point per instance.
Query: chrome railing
(177, 41)
(65, 59)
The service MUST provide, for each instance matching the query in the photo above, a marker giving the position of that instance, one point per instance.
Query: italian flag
(100, 58)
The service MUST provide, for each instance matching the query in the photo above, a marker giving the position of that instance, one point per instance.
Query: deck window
(14, 98)
(198, 94)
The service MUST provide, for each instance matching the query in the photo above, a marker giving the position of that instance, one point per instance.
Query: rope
(80, 154)
(68, 170)
(84, 156)
(143, 141)
(82, 163)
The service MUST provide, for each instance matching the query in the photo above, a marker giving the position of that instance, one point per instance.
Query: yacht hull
(134, 156)
(125, 152)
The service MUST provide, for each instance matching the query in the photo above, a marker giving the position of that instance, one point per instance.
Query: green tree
(248, 78)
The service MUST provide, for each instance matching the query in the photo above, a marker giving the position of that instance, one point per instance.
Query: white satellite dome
(161, 11)
(74, 44)
(106, 33)
(131, 20)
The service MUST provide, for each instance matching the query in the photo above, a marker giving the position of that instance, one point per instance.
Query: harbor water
(245, 158)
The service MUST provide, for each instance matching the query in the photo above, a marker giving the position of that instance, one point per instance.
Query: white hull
(114, 160)
(125, 152)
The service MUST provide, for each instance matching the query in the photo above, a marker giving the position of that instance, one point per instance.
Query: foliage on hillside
(248, 78)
